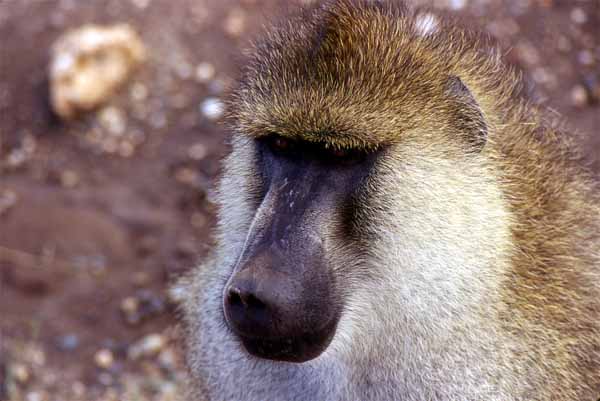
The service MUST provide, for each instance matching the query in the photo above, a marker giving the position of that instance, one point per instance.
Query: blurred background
(110, 140)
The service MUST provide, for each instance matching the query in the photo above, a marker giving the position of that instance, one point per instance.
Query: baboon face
(283, 299)
(347, 169)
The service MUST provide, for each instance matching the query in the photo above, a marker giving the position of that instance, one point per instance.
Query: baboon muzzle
(279, 300)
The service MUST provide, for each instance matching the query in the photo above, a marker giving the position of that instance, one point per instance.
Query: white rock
(457, 4)
(104, 358)
(150, 345)
(426, 24)
(212, 108)
(89, 63)
(113, 120)
(205, 72)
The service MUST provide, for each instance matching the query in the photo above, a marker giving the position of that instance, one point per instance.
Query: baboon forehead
(353, 73)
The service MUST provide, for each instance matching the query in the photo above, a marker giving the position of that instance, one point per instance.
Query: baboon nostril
(234, 297)
(238, 298)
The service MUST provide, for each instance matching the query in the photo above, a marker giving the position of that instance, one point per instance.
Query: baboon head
(356, 191)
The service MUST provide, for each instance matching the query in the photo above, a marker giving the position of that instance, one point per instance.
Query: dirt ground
(94, 223)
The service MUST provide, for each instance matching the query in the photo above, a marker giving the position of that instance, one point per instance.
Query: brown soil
(85, 225)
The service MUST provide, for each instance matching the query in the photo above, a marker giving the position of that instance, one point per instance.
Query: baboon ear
(467, 115)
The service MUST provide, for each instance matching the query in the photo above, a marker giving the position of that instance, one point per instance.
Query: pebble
(579, 96)
(106, 379)
(235, 22)
(104, 358)
(8, 199)
(35, 396)
(197, 151)
(129, 305)
(167, 359)
(138, 92)
(149, 345)
(216, 86)
(23, 153)
(141, 4)
(144, 305)
(187, 176)
(212, 108)
(20, 373)
(457, 4)
(204, 72)
(69, 179)
(69, 342)
(112, 120)
(578, 16)
(585, 57)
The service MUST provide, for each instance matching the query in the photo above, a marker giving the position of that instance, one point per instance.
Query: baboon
(396, 222)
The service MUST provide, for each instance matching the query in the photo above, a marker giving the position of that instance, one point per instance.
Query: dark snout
(263, 302)
(280, 311)
(282, 299)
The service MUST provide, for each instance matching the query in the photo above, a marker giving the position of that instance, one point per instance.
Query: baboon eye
(280, 144)
(339, 153)
(344, 156)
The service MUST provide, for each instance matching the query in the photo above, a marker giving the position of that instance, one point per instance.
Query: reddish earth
(85, 225)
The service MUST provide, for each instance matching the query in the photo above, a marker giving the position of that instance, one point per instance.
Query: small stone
(578, 16)
(528, 53)
(78, 389)
(197, 151)
(68, 342)
(138, 92)
(35, 396)
(144, 305)
(235, 22)
(141, 4)
(177, 293)
(36, 356)
(457, 4)
(130, 305)
(184, 70)
(204, 72)
(158, 119)
(104, 358)
(69, 179)
(8, 199)
(585, 57)
(148, 346)
(89, 63)
(212, 108)
(167, 359)
(106, 379)
(112, 120)
(216, 86)
(187, 176)
(20, 373)
(21, 154)
(579, 96)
